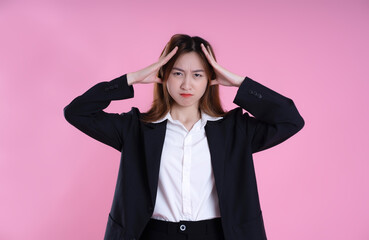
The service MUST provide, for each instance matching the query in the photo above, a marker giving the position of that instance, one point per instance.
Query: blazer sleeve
(86, 113)
(276, 117)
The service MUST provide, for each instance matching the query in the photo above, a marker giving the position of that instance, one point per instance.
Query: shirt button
(182, 227)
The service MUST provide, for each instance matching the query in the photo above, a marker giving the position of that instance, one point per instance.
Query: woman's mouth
(186, 95)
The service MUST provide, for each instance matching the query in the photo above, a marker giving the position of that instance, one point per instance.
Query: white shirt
(186, 189)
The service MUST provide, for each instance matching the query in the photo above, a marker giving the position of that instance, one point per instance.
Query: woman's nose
(186, 83)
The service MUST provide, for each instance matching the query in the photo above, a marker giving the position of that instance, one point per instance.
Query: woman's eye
(177, 73)
(198, 75)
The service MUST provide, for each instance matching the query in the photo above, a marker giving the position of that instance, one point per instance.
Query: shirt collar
(204, 118)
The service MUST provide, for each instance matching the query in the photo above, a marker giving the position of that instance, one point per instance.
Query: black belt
(188, 227)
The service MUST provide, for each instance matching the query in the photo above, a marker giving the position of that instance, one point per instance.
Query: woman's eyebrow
(178, 69)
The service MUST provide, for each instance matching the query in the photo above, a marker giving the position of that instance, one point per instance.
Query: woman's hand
(223, 76)
(149, 74)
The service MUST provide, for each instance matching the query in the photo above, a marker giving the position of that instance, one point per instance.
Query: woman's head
(186, 44)
(187, 82)
(188, 60)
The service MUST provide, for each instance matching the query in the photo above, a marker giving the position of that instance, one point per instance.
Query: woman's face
(187, 81)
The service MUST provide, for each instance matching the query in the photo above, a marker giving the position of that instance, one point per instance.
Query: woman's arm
(86, 113)
(276, 117)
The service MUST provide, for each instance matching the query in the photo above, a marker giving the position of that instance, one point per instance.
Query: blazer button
(259, 95)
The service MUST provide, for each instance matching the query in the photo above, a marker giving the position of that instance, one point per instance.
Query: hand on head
(223, 76)
(149, 74)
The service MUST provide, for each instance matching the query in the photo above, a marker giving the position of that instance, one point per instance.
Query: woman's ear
(214, 82)
(160, 73)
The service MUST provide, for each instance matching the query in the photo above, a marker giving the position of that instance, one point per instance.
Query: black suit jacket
(232, 140)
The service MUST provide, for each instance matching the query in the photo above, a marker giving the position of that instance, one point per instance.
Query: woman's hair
(162, 102)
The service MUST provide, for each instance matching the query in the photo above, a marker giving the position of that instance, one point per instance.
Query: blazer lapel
(216, 138)
(154, 134)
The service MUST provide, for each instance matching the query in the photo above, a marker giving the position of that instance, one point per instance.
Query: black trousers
(183, 230)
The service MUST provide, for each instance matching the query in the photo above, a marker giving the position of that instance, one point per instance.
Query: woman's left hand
(223, 76)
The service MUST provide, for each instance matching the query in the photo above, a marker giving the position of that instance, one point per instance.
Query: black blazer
(232, 140)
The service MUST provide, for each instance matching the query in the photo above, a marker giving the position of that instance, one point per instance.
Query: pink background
(57, 183)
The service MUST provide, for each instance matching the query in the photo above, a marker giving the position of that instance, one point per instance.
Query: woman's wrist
(238, 81)
(130, 78)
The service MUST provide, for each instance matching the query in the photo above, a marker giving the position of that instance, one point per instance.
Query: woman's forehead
(189, 60)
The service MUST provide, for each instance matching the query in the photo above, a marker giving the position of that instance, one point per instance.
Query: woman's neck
(188, 116)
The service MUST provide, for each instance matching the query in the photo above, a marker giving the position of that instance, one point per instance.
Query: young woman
(186, 170)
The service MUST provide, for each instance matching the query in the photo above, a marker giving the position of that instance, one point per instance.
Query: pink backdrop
(57, 183)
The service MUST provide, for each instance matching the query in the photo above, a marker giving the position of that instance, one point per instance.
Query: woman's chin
(186, 104)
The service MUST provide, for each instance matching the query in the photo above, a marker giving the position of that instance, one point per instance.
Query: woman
(186, 170)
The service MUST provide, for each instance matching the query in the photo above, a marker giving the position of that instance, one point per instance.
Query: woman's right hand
(150, 74)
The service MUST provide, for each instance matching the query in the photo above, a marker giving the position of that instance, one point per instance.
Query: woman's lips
(186, 95)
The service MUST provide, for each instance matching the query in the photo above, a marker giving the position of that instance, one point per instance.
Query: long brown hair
(162, 102)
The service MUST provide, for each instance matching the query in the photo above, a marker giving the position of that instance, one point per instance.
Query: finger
(206, 52)
(164, 53)
(170, 55)
(211, 53)
(204, 49)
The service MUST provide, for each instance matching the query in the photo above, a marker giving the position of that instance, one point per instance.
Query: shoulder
(232, 118)
(131, 117)
(135, 117)
(235, 114)
(235, 120)
(134, 112)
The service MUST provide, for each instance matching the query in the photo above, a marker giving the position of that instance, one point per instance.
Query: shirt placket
(186, 188)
